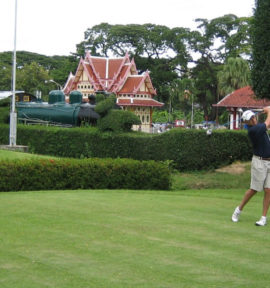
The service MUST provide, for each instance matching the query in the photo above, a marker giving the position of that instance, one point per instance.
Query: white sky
(54, 27)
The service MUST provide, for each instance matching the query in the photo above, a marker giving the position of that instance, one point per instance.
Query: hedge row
(51, 174)
(186, 149)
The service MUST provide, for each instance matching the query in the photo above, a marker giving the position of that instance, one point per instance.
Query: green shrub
(43, 174)
(5, 102)
(4, 115)
(103, 107)
(100, 97)
(118, 121)
(195, 150)
(4, 110)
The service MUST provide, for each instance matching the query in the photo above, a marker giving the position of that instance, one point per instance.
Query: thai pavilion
(133, 92)
(238, 101)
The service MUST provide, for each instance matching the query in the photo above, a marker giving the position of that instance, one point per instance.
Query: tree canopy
(40, 67)
(260, 73)
(234, 75)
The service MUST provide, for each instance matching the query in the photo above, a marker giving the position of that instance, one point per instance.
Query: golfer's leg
(266, 201)
(248, 195)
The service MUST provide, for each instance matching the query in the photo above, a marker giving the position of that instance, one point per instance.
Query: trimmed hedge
(43, 174)
(187, 149)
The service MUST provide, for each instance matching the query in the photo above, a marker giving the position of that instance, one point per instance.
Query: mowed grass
(233, 176)
(124, 238)
(131, 239)
(13, 155)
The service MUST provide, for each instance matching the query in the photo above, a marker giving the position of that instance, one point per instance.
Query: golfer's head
(249, 118)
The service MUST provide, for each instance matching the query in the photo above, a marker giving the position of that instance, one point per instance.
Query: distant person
(260, 165)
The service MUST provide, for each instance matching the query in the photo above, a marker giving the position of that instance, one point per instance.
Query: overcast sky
(54, 27)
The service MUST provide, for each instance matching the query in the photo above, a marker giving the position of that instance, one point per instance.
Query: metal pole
(13, 114)
(192, 113)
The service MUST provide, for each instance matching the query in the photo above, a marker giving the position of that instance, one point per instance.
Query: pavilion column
(237, 121)
(234, 119)
(231, 121)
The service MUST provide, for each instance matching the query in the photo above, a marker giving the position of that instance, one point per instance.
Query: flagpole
(13, 114)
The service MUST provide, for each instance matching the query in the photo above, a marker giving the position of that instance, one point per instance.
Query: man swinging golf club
(260, 165)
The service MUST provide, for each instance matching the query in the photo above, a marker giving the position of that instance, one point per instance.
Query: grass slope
(121, 239)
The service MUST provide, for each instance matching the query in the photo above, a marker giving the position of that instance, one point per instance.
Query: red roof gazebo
(241, 99)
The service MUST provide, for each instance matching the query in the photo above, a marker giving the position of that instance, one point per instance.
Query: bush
(4, 110)
(40, 174)
(103, 107)
(4, 115)
(118, 121)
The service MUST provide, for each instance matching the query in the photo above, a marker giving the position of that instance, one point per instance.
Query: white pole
(13, 114)
(192, 113)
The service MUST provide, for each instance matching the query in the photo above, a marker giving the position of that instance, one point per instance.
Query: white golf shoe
(261, 222)
(236, 214)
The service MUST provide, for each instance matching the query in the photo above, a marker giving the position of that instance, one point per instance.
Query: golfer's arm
(267, 121)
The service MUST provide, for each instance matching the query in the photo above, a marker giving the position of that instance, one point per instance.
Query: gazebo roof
(242, 98)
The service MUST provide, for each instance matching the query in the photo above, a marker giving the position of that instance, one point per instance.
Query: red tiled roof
(131, 84)
(139, 102)
(100, 66)
(114, 66)
(242, 98)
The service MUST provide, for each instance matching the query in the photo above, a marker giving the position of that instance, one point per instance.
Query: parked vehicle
(179, 123)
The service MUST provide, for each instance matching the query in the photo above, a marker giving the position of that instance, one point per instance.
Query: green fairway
(132, 239)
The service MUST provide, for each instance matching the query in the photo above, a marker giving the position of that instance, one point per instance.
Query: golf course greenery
(127, 238)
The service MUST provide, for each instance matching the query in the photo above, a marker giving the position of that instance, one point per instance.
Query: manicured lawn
(12, 155)
(121, 239)
(213, 179)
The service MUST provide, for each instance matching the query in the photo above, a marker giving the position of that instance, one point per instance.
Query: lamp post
(58, 85)
(189, 95)
(13, 114)
(192, 111)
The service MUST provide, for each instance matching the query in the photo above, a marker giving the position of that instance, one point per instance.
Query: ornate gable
(137, 84)
(69, 84)
(106, 70)
(127, 70)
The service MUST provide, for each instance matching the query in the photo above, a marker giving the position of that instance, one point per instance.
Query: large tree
(31, 78)
(260, 72)
(216, 41)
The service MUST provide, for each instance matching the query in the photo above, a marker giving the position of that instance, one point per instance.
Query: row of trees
(180, 59)
(34, 71)
(199, 66)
